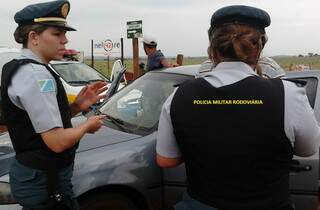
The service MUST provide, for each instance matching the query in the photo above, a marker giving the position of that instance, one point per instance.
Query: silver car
(115, 168)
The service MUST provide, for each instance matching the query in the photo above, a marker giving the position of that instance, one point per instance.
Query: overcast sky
(180, 26)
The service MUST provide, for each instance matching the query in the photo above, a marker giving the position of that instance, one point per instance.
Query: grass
(105, 68)
(284, 61)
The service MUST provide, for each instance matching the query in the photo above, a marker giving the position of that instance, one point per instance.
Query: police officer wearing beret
(237, 149)
(37, 113)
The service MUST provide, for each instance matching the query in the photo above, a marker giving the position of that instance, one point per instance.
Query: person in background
(37, 113)
(156, 59)
(235, 131)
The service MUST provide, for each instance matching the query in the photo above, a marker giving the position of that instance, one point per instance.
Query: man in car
(37, 113)
(156, 59)
(235, 131)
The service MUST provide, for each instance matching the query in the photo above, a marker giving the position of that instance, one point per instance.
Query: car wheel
(107, 201)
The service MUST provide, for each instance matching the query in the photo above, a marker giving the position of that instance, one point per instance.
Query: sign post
(134, 31)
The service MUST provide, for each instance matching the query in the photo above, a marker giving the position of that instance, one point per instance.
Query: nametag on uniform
(46, 85)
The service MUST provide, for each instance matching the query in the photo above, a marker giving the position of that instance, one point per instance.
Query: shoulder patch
(46, 85)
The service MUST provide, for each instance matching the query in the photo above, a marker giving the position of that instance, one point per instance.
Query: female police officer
(37, 113)
(235, 131)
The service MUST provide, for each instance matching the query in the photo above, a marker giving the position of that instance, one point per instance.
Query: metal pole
(108, 65)
(135, 47)
(92, 57)
(180, 59)
(121, 40)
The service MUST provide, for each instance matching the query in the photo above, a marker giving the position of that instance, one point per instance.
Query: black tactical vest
(29, 146)
(233, 142)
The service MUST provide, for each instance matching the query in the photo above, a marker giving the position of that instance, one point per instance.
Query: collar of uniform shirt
(27, 53)
(235, 66)
(226, 73)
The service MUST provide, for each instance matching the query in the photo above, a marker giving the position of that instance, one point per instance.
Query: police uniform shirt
(301, 126)
(33, 89)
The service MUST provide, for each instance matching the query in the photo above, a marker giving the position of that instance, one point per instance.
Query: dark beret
(241, 14)
(53, 13)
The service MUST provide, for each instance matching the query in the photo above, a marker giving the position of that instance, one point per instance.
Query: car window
(75, 73)
(311, 89)
(138, 106)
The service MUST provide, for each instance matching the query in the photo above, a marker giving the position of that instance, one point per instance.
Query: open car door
(304, 173)
(117, 75)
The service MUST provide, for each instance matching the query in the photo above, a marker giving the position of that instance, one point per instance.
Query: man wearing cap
(235, 131)
(37, 113)
(156, 59)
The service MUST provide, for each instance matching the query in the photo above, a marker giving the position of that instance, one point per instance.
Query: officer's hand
(90, 94)
(94, 123)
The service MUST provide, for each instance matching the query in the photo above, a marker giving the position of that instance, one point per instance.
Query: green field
(284, 61)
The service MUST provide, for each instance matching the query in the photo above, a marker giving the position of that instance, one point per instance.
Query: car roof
(190, 70)
(304, 73)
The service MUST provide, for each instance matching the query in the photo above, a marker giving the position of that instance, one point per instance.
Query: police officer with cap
(37, 113)
(235, 131)
(156, 59)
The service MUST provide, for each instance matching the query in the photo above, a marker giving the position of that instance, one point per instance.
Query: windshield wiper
(115, 120)
(97, 80)
(119, 123)
(78, 82)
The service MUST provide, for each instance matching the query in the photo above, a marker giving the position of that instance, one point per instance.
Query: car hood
(104, 137)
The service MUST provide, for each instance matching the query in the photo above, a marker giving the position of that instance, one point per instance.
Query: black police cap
(241, 14)
(51, 13)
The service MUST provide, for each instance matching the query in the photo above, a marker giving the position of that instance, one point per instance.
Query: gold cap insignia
(65, 10)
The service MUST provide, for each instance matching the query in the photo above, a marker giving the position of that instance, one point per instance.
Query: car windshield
(75, 73)
(136, 108)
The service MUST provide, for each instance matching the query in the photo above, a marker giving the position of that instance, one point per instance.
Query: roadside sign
(107, 47)
(134, 29)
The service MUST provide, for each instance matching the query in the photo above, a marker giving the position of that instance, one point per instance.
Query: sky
(179, 26)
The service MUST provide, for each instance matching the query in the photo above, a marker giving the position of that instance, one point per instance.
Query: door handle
(297, 167)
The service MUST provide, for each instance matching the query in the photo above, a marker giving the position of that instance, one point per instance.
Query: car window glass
(311, 89)
(139, 105)
(73, 72)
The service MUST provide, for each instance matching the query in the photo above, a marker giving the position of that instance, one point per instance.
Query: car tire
(107, 201)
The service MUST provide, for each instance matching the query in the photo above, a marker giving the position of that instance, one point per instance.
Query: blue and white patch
(46, 85)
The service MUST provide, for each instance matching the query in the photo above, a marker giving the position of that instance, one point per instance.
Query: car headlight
(5, 194)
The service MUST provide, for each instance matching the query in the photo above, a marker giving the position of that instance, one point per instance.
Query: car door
(303, 175)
